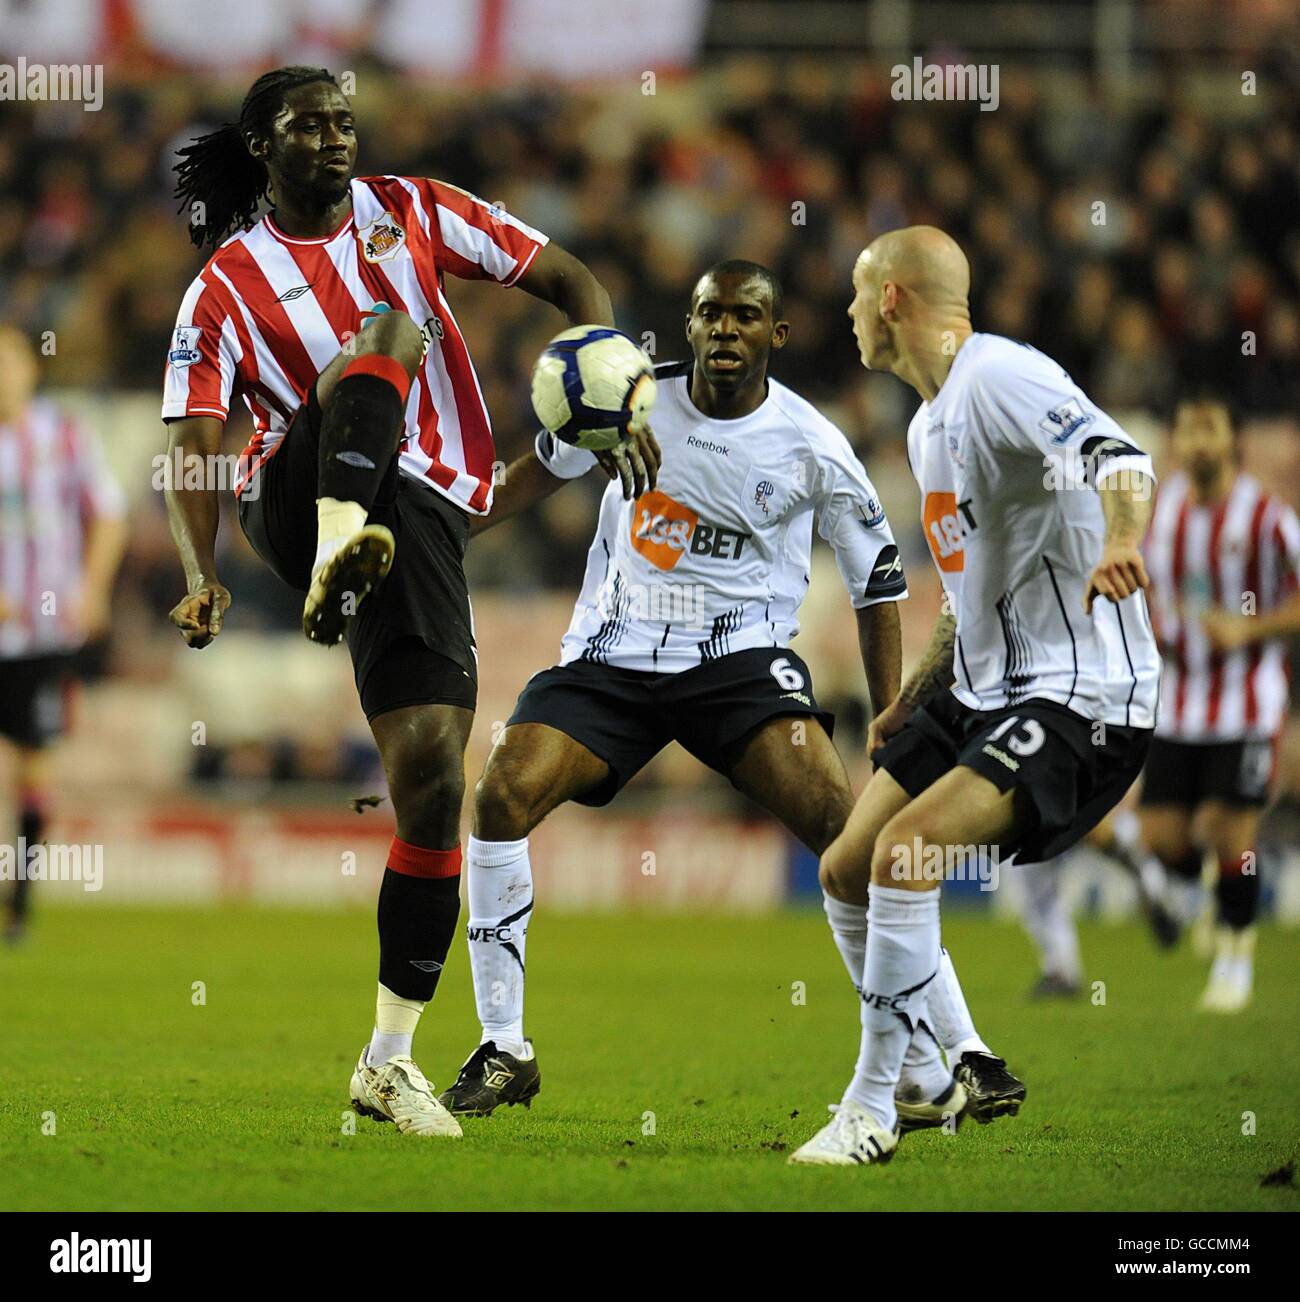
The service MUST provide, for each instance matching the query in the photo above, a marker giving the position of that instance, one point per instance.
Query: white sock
(336, 522)
(1234, 956)
(500, 908)
(925, 1075)
(395, 1022)
(1137, 858)
(1185, 899)
(902, 959)
(1048, 920)
(949, 1016)
(1243, 957)
(849, 927)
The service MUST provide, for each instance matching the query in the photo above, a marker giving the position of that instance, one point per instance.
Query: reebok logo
(995, 752)
(887, 566)
(705, 446)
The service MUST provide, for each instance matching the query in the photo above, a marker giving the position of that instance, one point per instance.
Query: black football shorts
(1188, 773)
(627, 716)
(412, 641)
(34, 696)
(1072, 772)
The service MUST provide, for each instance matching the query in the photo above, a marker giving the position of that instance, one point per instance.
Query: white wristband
(562, 459)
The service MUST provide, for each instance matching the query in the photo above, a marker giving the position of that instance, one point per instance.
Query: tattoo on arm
(935, 671)
(1127, 508)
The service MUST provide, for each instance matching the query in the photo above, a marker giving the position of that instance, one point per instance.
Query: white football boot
(925, 1114)
(342, 574)
(853, 1137)
(1232, 977)
(397, 1091)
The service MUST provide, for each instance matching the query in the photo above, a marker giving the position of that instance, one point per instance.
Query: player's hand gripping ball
(590, 384)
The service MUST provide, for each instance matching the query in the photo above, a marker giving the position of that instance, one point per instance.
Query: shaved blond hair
(926, 262)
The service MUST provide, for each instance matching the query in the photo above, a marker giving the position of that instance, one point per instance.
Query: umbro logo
(499, 1079)
(426, 964)
(290, 295)
(351, 457)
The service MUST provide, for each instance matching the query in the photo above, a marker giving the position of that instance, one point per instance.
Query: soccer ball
(590, 383)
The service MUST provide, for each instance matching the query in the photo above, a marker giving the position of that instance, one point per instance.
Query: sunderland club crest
(381, 239)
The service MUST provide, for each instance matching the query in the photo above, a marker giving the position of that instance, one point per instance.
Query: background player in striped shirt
(1223, 554)
(371, 451)
(62, 531)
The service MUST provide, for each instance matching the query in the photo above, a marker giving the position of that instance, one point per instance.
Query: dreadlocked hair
(218, 180)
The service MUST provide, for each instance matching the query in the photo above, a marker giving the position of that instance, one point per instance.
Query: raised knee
(501, 808)
(428, 806)
(843, 876)
(893, 848)
(396, 334)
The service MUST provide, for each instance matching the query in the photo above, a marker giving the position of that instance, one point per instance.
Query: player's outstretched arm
(880, 639)
(192, 514)
(1126, 502)
(933, 674)
(528, 479)
(558, 278)
(524, 482)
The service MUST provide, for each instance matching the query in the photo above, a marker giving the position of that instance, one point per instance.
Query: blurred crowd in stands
(1147, 246)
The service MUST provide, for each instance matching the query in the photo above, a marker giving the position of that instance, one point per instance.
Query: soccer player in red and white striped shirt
(372, 450)
(1223, 554)
(62, 532)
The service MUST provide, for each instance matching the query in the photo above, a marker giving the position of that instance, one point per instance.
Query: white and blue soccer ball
(590, 384)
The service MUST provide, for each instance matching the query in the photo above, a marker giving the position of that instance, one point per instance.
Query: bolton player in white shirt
(1032, 709)
(682, 633)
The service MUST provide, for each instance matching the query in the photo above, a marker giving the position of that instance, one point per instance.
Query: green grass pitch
(674, 1053)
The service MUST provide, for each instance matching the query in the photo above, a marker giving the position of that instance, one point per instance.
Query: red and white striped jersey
(53, 482)
(1240, 555)
(270, 311)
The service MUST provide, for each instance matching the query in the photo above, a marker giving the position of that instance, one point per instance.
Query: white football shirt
(1008, 457)
(715, 559)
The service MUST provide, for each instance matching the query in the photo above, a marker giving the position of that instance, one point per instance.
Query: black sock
(359, 435)
(1188, 867)
(417, 920)
(31, 828)
(1238, 896)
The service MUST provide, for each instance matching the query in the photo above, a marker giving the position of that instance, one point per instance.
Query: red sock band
(382, 367)
(35, 800)
(1236, 867)
(416, 861)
